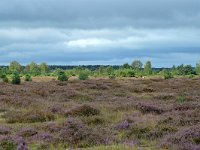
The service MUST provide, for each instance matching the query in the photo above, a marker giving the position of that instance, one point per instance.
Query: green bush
(4, 78)
(8, 145)
(15, 79)
(83, 76)
(167, 75)
(28, 77)
(62, 76)
(111, 76)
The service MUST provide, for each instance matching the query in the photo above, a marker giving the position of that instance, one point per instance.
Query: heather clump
(149, 108)
(43, 137)
(4, 130)
(76, 134)
(28, 117)
(83, 110)
(12, 143)
(185, 139)
(27, 132)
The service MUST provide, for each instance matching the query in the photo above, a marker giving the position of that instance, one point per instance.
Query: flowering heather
(98, 112)
(185, 139)
(84, 110)
(43, 136)
(27, 132)
(4, 130)
(12, 143)
(149, 108)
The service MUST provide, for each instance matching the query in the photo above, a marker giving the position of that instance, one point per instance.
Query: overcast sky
(74, 32)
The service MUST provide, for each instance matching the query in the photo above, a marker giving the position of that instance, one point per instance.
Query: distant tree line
(136, 69)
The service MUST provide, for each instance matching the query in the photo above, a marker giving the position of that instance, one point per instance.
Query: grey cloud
(100, 13)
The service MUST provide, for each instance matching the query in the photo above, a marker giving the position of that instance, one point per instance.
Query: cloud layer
(99, 31)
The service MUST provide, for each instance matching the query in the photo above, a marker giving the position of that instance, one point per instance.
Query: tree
(137, 64)
(16, 78)
(44, 68)
(185, 70)
(62, 76)
(15, 67)
(110, 70)
(147, 68)
(126, 66)
(34, 69)
(197, 69)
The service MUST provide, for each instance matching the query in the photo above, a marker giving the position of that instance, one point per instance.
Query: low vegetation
(129, 107)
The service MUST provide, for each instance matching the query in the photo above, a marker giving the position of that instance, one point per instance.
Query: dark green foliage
(62, 76)
(15, 67)
(15, 79)
(147, 68)
(167, 74)
(28, 77)
(137, 64)
(5, 79)
(126, 66)
(185, 70)
(44, 68)
(125, 73)
(83, 75)
(111, 76)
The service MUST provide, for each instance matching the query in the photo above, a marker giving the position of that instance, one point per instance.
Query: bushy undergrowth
(129, 112)
(15, 78)
(28, 77)
(12, 143)
(185, 139)
(83, 76)
(62, 77)
(84, 110)
(28, 117)
(76, 134)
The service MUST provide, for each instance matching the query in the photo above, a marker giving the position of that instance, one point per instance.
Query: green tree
(101, 70)
(110, 70)
(44, 68)
(148, 68)
(197, 69)
(15, 79)
(15, 67)
(62, 76)
(137, 64)
(83, 75)
(126, 66)
(34, 69)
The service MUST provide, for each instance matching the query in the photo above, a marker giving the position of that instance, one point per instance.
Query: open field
(126, 113)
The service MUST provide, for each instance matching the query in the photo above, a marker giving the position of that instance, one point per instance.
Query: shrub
(111, 76)
(15, 78)
(149, 108)
(28, 117)
(75, 133)
(28, 77)
(84, 110)
(12, 143)
(5, 79)
(62, 76)
(27, 132)
(4, 130)
(167, 75)
(83, 76)
(185, 139)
